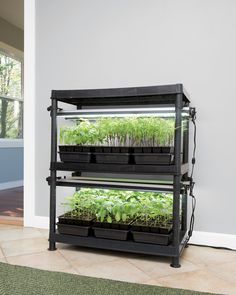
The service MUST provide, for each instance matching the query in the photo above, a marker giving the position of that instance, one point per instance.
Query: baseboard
(11, 184)
(213, 239)
(198, 237)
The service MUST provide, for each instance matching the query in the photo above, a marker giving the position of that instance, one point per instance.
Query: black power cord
(192, 183)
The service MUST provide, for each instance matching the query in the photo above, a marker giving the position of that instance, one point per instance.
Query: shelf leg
(52, 228)
(177, 180)
(52, 246)
(176, 220)
(53, 174)
(175, 262)
(184, 210)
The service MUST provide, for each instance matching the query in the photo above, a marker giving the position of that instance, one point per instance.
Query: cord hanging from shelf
(192, 183)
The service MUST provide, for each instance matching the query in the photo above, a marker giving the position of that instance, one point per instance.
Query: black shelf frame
(158, 95)
(121, 168)
(124, 246)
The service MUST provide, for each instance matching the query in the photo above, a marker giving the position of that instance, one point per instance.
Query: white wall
(110, 43)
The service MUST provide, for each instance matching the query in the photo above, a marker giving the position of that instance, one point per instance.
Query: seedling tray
(166, 230)
(166, 149)
(143, 228)
(151, 238)
(113, 225)
(76, 148)
(78, 157)
(112, 158)
(112, 149)
(139, 227)
(114, 230)
(70, 220)
(152, 159)
(156, 150)
(109, 233)
(116, 155)
(76, 230)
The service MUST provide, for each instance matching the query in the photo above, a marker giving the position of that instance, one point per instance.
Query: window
(11, 98)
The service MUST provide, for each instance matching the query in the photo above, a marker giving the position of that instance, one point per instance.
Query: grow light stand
(125, 97)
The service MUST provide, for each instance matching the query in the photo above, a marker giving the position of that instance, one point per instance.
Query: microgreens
(130, 131)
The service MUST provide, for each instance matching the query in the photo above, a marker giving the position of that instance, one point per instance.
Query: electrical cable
(192, 183)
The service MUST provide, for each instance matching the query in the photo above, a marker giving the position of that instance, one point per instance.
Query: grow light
(121, 184)
(122, 112)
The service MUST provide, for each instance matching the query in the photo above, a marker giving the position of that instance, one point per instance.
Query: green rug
(15, 280)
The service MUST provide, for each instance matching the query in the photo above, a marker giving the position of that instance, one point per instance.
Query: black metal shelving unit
(125, 99)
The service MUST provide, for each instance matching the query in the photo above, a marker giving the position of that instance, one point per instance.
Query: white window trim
(18, 55)
(30, 218)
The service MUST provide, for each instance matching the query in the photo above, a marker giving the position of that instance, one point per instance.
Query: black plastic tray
(151, 229)
(152, 159)
(76, 148)
(76, 230)
(151, 238)
(142, 228)
(78, 157)
(69, 220)
(112, 149)
(109, 233)
(113, 225)
(112, 158)
(155, 150)
(116, 149)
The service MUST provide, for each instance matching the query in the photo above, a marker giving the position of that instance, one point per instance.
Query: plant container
(160, 235)
(167, 149)
(80, 226)
(68, 157)
(151, 238)
(76, 230)
(111, 149)
(112, 158)
(113, 231)
(112, 155)
(153, 159)
(76, 148)
(75, 153)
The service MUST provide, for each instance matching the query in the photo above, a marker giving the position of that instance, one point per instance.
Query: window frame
(19, 56)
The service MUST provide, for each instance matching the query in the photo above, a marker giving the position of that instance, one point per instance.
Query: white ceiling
(13, 12)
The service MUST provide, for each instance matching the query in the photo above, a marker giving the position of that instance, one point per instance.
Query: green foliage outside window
(11, 109)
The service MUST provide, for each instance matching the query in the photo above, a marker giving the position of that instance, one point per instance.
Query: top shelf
(165, 94)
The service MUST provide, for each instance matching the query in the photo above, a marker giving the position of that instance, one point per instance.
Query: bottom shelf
(123, 246)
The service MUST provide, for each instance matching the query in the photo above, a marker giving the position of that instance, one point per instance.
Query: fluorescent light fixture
(122, 112)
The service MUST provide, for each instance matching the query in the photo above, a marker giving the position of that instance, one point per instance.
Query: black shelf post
(53, 175)
(184, 209)
(177, 177)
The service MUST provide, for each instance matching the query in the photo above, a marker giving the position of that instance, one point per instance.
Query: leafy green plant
(130, 131)
(155, 209)
(147, 208)
(82, 204)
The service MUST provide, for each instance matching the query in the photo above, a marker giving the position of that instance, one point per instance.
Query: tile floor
(203, 269)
